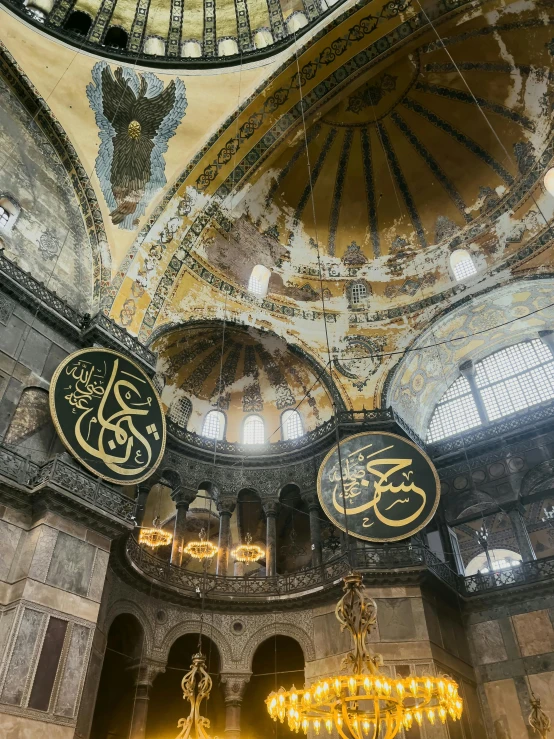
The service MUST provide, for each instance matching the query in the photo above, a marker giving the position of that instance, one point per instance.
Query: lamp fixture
(365, 703)
(201, 549)
(196, 686)
(154, 536)
(248, 552)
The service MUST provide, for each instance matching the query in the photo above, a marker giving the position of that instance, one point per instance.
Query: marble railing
(69, 480)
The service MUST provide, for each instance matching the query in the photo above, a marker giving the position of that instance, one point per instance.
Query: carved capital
(234, 685)
(226, 505)
(183, 497)
(311, 499)
(148, 670)
(270, 507)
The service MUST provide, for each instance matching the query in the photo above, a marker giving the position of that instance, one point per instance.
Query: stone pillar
(270, 509)
(233, 687)
(182, 498)
(520, 530)
(467, 369)
(311, 500)
(225, 506)
(146, 675)
(143, 488)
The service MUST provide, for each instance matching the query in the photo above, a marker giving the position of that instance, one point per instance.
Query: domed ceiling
(259, 374)
(194, 33)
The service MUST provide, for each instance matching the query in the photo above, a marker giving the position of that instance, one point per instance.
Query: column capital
(467, 368)
(310, 497)
(148, 670)
(270, 507)
(226, 506)
(183, 497)
(234, 685)
(547, 337)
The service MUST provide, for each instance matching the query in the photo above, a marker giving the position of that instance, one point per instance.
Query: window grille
(4, 217)
(462, 264)
(455, 412)
(358, 293)
(510, 380)
(253, 432)
(292, 425)
(179, 412)
(515, 378)
(259, 280)
(501, 559)
(214, 424)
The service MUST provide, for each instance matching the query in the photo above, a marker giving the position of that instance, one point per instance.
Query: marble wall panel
(18, 727)
(542, 685)
(71, 565)
(503, 704)
(328, 638)
(77, 658)
(43, 553)
(98, 575)
(6, 623)
(432, 622)
(21, 658)
(395, 619)
(9, 539)
(534, 632)
(488, 644)
(24, 554)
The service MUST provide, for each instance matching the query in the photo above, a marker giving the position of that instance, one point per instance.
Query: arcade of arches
(303, 220)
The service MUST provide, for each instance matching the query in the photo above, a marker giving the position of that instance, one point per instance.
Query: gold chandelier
(366, 702)
(196, 686)
(202, 548)
(248, 552)
(154, 536)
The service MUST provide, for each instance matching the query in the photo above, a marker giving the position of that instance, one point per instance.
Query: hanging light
(202, 548)
(365, 703)
(196, 686)
(248, 552)
(154, 536)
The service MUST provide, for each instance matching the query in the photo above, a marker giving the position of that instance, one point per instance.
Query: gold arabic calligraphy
(112, 437)
(354, 471)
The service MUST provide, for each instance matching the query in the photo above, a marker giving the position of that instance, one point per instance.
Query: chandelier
(196, 686)
(202, 548)
(154, 536)
(248, 552)
(365, 702)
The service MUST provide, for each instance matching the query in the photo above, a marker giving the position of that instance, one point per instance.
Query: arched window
(259, 280)
(291, 425)
(9, 211)
(508, 381)
(191, 49)
(214, 425)
(227, 47)
(358, 293)
(78, 22)
(462, 264)
(179, 412)
(116, 37)
(154, 46)
(253, 431)
(296, 21)
(500, 559)
(4, 217)
(262, 38)
(455, 412)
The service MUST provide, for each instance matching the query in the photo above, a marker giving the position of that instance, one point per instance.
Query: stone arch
(278, 629)
(131, 608)
(193, 627)
(38, 109)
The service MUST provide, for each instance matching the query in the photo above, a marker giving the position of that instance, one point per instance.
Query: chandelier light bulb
(248, 552)
(154, 536)
(201, 549)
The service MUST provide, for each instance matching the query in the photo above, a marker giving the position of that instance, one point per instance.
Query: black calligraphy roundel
(384, 489)
(108, 414)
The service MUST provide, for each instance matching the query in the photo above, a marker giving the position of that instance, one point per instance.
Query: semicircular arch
(278, 629)
(195, 627)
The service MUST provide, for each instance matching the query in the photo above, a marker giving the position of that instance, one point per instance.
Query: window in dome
(154, 46)
(179, 412)
(455, 412)
(462, 264)
(515, 378)
(4, 217)
(296, 21)
(259, 280)
(191, 49)
(116, 37)
(358, 293)
(291, 424)
(262, 38)
(227, 47)
(78, 22)
(214, 425)
(9, 211)
(254, 431)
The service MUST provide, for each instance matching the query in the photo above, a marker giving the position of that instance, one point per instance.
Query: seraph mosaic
(136, 117)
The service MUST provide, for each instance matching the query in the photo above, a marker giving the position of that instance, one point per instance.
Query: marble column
(182, 498)
(522, 535)
(311, 500)
(233, 688)
(225, 506)
(143, 488)
(467, 369)
(271, 508)
(146, 675)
